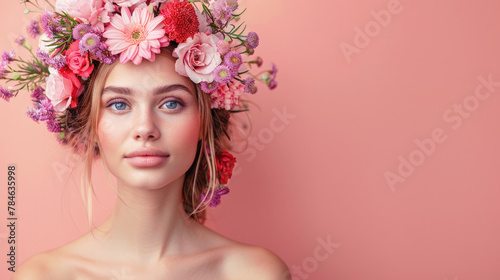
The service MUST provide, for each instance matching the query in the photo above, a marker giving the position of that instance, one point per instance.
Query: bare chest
(200, 267)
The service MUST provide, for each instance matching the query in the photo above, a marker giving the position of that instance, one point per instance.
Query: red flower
(180, 21)
(225, 164)
(79, 64)
(76, 88)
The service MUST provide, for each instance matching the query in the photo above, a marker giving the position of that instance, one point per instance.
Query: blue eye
(172, 104)
(119, 106)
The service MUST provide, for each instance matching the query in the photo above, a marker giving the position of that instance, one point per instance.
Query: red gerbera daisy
(180, 21)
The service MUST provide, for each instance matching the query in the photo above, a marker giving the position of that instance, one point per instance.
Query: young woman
(158, 118)
(149, 126)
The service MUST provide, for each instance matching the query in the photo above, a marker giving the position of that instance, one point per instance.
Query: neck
(148, 224)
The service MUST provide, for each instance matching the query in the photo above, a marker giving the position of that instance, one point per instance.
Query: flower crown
(77, 35)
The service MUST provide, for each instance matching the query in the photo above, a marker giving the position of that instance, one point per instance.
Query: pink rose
(58, 90)
(79, 64)
(198, 57)
(81, 9)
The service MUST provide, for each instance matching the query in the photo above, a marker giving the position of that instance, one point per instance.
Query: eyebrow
(159, 90)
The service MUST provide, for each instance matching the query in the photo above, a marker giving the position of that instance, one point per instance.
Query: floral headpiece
(77, 35)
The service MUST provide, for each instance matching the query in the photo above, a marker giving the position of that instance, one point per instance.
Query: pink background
(319, 175)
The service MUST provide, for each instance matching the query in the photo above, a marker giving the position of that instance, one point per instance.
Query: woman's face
(149, 123)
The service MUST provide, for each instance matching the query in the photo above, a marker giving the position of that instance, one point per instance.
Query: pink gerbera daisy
(135, 36)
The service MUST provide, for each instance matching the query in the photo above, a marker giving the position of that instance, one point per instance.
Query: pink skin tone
(148, 130)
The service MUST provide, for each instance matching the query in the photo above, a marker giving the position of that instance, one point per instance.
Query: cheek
(109, 134)
(186, 133)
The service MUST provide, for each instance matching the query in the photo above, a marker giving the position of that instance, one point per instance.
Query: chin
(149, 179)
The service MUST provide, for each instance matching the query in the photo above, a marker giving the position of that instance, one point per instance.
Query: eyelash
(112, 102)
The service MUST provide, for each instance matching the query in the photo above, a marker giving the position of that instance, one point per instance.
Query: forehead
(147, 75)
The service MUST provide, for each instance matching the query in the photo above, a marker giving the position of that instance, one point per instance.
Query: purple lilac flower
(252, 40)
(89, 42)
(53, 125)
(209, 87)
(110, 59)
(233, 60)
(44, 56)
(58, 61)
(6, 94)
(217, 195)
(37, 94)
(222, 74)
(50, 24)
(20, 40)
(33, 28)
(7, 57)
(42, 110)
(250, 85)
(80, 30)
(102, 54)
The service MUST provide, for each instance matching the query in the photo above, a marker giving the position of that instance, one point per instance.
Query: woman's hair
(81, 135)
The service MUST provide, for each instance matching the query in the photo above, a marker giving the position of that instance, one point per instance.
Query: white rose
(81, 9)
(43, 43)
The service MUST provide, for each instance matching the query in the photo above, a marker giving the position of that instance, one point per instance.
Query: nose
(146, 128)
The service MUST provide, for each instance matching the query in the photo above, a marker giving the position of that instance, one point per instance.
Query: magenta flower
(21, 40)
(42, 111)
(252, 40)
(33, 28)
(135, 36)
(90, 42)
(53, 125)
(250, 85)
(37, 94)
(50, 24)
(222, 74)
(58, 61)
(233, 60)
(217, 195)
(6, 94)
(80, 30)
(209, 87)
(7, 57)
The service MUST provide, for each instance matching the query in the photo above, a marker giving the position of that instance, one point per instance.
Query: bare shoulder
(252, 262)
(45, 265)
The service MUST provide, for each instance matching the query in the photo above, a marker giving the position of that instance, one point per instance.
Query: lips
(146, 157)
